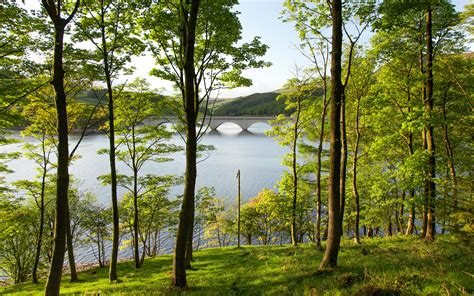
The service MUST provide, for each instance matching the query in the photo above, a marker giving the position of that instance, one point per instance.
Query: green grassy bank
(391, 266)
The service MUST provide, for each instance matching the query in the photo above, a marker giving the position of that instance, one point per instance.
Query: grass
(389, 266)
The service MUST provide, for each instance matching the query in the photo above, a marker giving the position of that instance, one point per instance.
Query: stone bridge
(244, 122)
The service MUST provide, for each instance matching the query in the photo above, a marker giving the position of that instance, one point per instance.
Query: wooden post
(238, 208)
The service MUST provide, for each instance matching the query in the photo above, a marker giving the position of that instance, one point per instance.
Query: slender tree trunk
(343, 174)
(136, 243)
(389, 225)
(431, 229)
(334, 202)
(411, 216)
(98, 250)
(113, 171)
(354, 176)
(54, 278)
(34, 273)
(450, 157)
(294, 239)
(424, 222)
(423, 96)
(318, 167)
(187, 208)
(189, 243)
(70, 252)
(400, 214)
(62, 183)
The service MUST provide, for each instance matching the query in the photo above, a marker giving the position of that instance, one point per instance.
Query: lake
(256, 155)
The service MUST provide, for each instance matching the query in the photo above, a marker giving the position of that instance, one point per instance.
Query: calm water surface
(256, 155)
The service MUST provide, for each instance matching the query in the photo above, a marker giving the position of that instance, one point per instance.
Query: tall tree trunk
(450, 157)
(411, 217)
(411, 151)
(389, 224)
(400, 213)
(113, 170)
(354, 175)
(423, 97)
(294, 239)
(318, 166)
(343, 174)
(34, 273)
(424, 217)
(62, 183)
(431, 230)
(70, 252)
(136, 243)
(186, 215)
(334, 202)
(189, 243)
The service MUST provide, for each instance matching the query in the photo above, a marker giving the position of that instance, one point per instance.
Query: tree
(141, 144)
(16, 255)
(334, 226)
(60, 23)
(96, 225)
(289, 132)
(194, 44)
(358, 89)
(111, 27)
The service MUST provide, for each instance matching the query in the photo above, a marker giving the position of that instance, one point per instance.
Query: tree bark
(334, 202)
(343, 174)
(34, 272)
(136, 242)
(355, 192)
(113, 170)
(62, 184)
(431, 186)
(400, 213)
(318, 167)
(424, 217)
(450, 157)
(189, 243)
(411, 217)
(294, 239)
(186, 216)
(70, 252)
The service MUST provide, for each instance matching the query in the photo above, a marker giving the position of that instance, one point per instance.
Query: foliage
(16, 253)
(259, 104)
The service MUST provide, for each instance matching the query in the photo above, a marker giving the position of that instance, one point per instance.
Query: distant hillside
(258, 104)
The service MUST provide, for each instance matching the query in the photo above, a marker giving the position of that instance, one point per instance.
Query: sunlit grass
(392, 266)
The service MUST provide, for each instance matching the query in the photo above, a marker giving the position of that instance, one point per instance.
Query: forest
(376, 194)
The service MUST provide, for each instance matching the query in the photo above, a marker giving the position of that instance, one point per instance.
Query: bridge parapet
(244, 122)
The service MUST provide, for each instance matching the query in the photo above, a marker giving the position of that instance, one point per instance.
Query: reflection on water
(256, 155)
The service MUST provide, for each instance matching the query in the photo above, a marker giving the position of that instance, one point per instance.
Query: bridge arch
(243, 122)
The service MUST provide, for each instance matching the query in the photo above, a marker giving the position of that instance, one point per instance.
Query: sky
(258, 18)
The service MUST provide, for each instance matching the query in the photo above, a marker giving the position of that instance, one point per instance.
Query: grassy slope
(394, 266)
